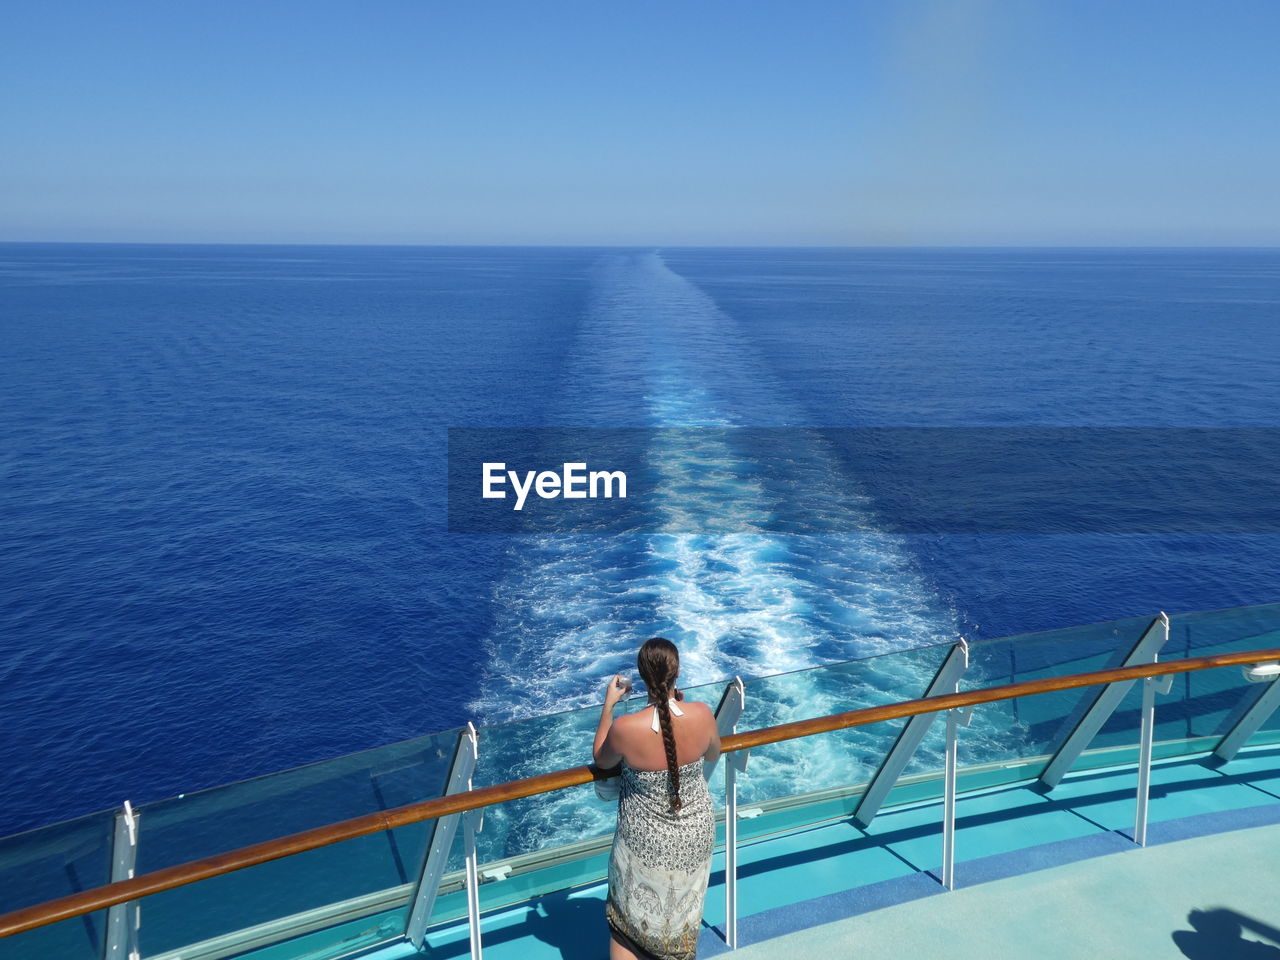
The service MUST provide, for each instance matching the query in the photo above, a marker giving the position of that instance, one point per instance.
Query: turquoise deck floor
(1028, 863)
(1205, 898)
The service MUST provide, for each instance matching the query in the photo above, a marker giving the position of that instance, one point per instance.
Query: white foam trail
(655, 351)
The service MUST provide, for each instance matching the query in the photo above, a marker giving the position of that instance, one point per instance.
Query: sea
(223, 479)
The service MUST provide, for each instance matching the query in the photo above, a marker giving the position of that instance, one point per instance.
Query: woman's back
(643, 748)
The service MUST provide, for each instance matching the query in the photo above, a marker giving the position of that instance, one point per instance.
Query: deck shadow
(1218, 934)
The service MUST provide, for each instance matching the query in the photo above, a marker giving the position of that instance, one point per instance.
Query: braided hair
(658, 663)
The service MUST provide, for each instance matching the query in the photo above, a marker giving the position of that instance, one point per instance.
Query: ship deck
(339, 861)
(1208, 898)
(1046, 875)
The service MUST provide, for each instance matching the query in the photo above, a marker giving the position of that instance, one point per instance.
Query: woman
(666, 827)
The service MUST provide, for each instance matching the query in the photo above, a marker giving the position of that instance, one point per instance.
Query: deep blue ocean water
(222, 478)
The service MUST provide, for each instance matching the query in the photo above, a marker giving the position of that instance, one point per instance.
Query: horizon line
(654, 246)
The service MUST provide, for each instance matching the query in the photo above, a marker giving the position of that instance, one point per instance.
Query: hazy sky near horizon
(929, 122)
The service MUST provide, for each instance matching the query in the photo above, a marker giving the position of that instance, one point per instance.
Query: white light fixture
(1262, 672)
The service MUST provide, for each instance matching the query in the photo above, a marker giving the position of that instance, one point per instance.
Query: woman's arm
(603, 751)
(713, 748)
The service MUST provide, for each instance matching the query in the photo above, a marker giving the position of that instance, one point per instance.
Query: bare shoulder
(699, 710)
(626, 724)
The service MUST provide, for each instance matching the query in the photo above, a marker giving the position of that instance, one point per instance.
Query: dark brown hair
(658, 662)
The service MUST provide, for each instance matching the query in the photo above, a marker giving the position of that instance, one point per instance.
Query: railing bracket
(124, 920)
(910, 737)
(1097, 706)
(465, 755)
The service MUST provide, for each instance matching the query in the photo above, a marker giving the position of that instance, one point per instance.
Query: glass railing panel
(839, 760)
(342, 878)
(526, 748)
(323, 903)
(1052, 653)
(1199, 704)
(1208, 699)
(52, 862)
(79, 938)
(1197, 709)
(1002, 736)
(1270, 730)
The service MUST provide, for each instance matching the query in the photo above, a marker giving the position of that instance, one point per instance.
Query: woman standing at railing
(661, 856)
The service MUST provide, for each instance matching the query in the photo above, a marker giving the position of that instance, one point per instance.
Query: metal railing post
(734, 764)
(123, 919)
(473, 823)
(955, 718)
(727, 715)
(465, 756)
(1150, 687)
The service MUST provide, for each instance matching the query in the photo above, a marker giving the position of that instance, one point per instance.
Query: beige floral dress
(660, 862)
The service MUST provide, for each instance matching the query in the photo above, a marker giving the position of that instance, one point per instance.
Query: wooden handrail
(157, 881)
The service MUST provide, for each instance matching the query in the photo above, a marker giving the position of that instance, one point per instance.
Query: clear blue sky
(692, 122)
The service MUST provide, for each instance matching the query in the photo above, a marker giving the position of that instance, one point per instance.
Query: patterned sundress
(660, 862)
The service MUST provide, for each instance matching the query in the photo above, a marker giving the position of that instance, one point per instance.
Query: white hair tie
(675, 712)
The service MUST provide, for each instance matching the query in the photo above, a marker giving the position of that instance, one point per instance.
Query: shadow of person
(573, 925)
(1218, 934)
